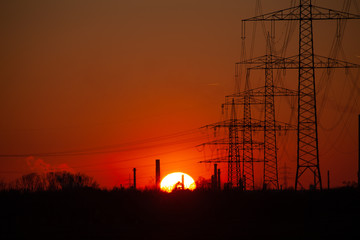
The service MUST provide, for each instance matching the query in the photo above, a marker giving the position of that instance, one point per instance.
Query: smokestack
(359, 154)
(218, 181)
(182, 182)
(157, 174)
(215, 177)
(134, 170)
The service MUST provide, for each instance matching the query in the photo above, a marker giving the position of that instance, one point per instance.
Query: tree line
(51, 181)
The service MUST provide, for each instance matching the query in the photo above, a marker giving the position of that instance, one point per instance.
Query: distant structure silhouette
(134, 180)
(179, 185)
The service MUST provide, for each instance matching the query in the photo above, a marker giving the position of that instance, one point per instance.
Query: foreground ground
(95, 214)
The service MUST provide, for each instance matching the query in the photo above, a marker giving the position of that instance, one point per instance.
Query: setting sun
(177, 180)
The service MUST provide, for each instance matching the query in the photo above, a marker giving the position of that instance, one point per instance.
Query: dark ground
(95, 214)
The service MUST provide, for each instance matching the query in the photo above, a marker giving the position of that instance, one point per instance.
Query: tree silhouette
(54, 181)
(30, 182)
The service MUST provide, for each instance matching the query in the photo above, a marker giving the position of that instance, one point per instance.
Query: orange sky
(92, 74)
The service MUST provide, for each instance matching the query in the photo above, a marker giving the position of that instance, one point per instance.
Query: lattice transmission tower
(267, 94)
(307, 130)
(240, 166)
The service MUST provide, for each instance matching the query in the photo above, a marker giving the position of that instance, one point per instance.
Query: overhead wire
(130, 146)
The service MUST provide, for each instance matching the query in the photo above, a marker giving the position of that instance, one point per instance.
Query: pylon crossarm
(276, 62)
(291, 13)
(246, 93)
(281, 126)
(320, 13)
(223, 160)
(215, 142)
(283, 92)
(259, 92)
(239, 100)
(236, 123)
(225, 124)
(215, 160)
(279, 63)
(261, 60)
(293, 63)
(325, 62)
(257, 145)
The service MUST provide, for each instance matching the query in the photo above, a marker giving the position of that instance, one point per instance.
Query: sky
(101, 87)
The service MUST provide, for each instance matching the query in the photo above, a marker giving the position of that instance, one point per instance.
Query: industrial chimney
(157, 174)
(134, 170)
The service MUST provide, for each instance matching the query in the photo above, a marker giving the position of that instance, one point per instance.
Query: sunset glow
(174, 181)
(102, 87)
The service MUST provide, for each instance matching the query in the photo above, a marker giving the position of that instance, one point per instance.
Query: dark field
(96, 214)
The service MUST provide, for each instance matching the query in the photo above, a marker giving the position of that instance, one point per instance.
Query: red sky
(136, 79)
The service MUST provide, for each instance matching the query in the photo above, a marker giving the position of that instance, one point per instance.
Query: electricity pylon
(268, 63)
(267, 93)
(234, 173)
(244, 163)
(240, 170)
(307, 131)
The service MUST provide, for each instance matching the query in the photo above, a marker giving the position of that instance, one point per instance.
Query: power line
(130, 146)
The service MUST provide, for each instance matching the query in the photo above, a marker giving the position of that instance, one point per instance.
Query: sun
(174, 180)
